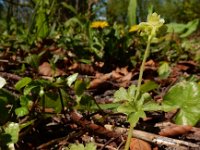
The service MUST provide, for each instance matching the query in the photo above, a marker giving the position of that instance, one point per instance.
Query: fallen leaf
(46, 70)
(101, 78)
(175, 130)
(137, 144)
(150, 63)
(125, 80)
(122, 71)
(116, 75)
(83, 68)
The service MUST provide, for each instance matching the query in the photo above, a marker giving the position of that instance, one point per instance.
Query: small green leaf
(52, 100)
(29, 88)
(21, 111)
(26, 124)
(134, 117)
(131, 92)
(185, 96)
(90, 146)
(140, 102)
(76, 147)
(71, 79)
(13, 130)
(22, 83)
(86, 102)
(33, 60)
(79, 87)
(153, 106)
(23, 100)
(126, 108)
(2, 82)
(191, 26)
(121, 95)
(148, 86)
(164, 70)
(42, 24)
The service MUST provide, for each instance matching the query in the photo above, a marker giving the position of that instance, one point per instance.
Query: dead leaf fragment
(100, 78)
(46, 70)
(175, 130)
(137, 144)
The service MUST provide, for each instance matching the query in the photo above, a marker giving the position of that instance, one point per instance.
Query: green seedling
(134, 102)
(88, 146)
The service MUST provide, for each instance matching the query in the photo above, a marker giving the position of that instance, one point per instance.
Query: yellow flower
(99, 24)
(134, 28)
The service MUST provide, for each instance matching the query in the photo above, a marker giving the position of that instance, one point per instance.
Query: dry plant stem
(153, 138)
(132, 125)
(78, 118)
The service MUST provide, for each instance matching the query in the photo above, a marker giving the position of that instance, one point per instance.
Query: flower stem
(132, 124)
(142, 67)
(130, 133)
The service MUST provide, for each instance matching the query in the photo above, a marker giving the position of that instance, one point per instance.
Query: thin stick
(153, 138)
(54, 141)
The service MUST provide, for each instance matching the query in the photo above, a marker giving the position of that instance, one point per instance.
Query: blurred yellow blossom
(134, 28)
(99, 24)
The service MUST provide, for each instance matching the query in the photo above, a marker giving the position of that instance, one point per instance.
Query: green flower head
(151, 27)
(154, 22)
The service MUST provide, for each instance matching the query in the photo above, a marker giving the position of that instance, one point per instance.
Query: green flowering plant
(134, 102)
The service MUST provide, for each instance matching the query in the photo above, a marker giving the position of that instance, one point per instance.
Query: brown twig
(10, 76)
(76, 117)
(153, 138)
(60, 140)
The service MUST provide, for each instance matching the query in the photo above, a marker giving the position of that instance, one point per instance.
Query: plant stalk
(130, 133)
(142, 67)
(132, 125)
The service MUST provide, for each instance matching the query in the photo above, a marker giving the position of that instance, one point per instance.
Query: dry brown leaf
(122, 71)
(127, 77)
(175, 130)
(125, 80)
(46, 70)
(116, 75)
(83, 68)
(150, 63)
(182, 67)
(137, 144)
(100, 79)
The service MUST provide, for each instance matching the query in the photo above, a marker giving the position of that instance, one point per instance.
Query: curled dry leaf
(46, 70)
(83, 68)
(125, 80)
(137, 144)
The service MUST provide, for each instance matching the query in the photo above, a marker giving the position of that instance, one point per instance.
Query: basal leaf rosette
(130, 105)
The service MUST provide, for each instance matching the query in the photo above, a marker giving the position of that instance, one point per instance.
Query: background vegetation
(58, 56)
